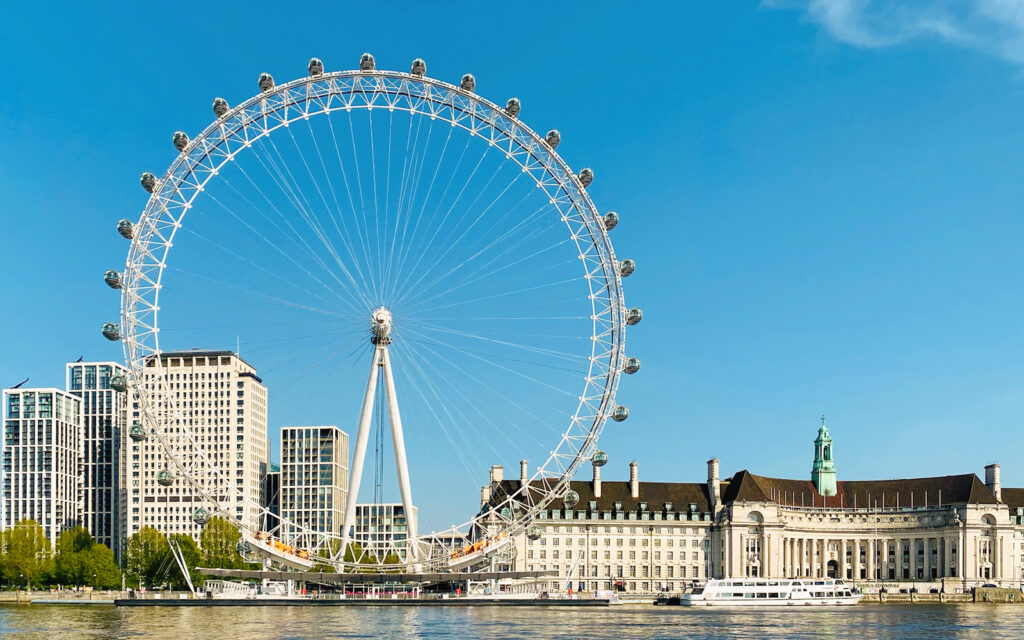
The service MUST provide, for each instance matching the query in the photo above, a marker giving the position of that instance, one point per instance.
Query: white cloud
(994, 27)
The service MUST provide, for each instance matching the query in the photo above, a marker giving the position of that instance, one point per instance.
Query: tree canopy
(219, 541)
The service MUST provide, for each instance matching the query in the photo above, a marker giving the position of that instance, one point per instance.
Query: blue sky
(823, 199)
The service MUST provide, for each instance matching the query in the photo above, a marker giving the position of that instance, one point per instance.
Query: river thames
(864, 621)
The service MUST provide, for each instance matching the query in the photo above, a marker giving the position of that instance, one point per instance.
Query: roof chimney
(714, 485)
(992, 481)
(597, 479)
(634, 480)
(485, 496)
(524, 472)
(497, 473)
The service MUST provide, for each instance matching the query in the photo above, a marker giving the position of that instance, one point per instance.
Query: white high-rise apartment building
(314, 480)
(104, 418)
(222, 401)
(42, 439)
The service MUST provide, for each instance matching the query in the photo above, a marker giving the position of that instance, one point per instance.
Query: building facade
(42, 441)
(104, 419)
(313, 483)
(952, 532)
(383, 526)
(218, 398)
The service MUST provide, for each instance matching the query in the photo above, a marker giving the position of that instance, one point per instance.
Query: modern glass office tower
(104, 419)
(383, 523)
(42, 439)
(314, 481)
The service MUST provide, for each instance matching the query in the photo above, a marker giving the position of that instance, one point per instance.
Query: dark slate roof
(960, 489)
(1014, 498)
(655, 494)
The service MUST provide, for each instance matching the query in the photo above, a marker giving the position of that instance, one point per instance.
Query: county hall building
(957, 531)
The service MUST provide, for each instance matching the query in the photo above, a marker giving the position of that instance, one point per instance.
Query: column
(913, 558)
(869, 558)
(927, 558)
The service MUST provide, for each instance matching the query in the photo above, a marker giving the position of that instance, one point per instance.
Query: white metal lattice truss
(233, 133)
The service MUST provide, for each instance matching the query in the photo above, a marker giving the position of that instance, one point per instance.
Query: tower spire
(823, 472)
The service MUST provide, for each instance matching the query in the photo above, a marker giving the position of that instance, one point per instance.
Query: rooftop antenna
(20, 383)
(237, 347)
(79, 359)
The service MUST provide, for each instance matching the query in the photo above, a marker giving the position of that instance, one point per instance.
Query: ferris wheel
(384, 219)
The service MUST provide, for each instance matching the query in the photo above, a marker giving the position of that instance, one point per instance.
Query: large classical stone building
(659, 536)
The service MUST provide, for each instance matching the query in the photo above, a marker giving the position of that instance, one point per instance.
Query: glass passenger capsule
(586, 176)
(534, 532)
(179, 140)
(112, 278)
(111, 331)
(148, 181)
(136, 432)
(125, 228)
(468, 82)
(634, 316)
(165, 478)
(220, 107)
(119, 383)
(610, 220)
(553, 138)
(632, 365)
(266, 82)
(599, 459)
(571, 499)
(626, 268)
(419, 68)
(512, 107)
(366, 62)
(315, 67)
(620, 413)
(200, 516)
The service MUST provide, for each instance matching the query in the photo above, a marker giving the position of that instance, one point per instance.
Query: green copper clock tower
(823, 473)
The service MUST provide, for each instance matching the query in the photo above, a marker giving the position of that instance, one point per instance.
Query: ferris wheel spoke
(467, 377)
(280, 181)
(355, 287)
(500, 295)
(344, 235)
(457, 417)
(432, 400)
(407, 237)
(307, 211)
(295, 236)
(261, 267)
(351, 200)
(564, 355)
(480, 270)
(362, 204)
(488, 359)
(450, 244)
(440, 225)
(412, 172)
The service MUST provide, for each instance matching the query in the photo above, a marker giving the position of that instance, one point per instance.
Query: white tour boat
(755, 592)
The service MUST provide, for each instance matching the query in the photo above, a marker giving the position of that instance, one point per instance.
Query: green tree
(67, 563)
(27, 556)
(219, 541)
(145, 554)
(99, 569)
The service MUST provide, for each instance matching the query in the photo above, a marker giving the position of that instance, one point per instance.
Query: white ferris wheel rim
(324, 94)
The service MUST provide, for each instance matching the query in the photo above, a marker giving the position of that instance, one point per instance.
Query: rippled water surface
(630, 621)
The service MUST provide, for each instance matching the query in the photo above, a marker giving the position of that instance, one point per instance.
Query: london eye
(382, 220)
